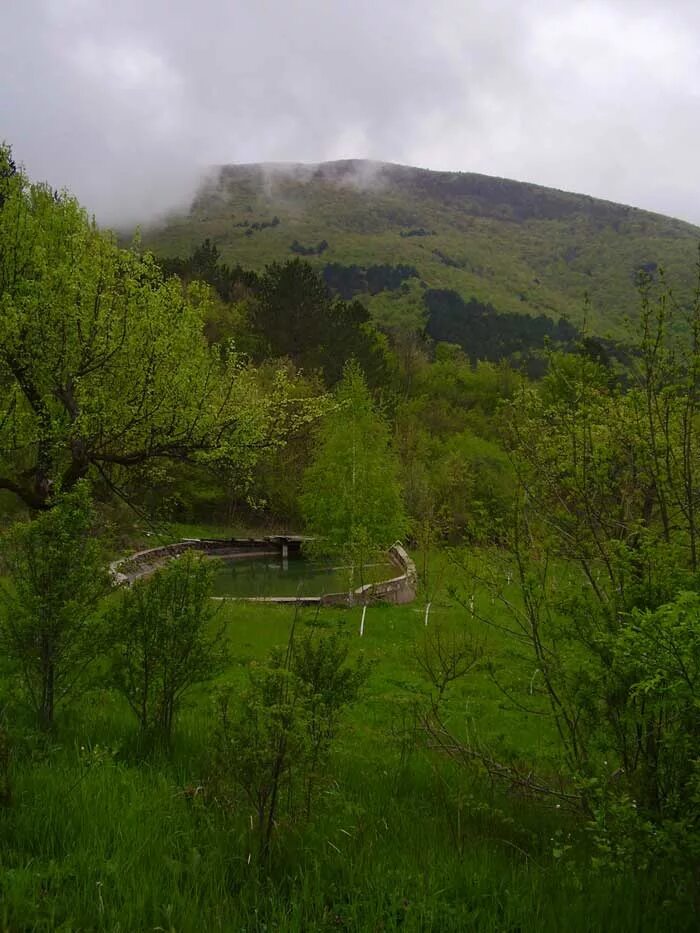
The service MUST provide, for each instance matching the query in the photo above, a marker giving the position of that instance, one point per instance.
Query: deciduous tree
(49, 623)
(165, 643)
(352, 498)
(104, 366)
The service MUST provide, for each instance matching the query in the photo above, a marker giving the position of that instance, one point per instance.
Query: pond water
(270, 576)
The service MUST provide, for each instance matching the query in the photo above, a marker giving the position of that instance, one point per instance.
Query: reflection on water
(270, 576)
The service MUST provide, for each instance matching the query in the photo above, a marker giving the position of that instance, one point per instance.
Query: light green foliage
(605, 545)
(165, 643)
(352, 498)
(49, 626)
(274, 746)
(104, 366)
(456, 474)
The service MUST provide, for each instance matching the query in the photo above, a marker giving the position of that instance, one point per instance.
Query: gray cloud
(127, 103)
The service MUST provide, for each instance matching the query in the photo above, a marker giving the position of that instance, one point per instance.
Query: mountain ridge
(516, 246)
(328, 168)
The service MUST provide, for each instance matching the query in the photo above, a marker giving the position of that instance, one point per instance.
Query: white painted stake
(471, 604)
(362, 623)
(427, 612)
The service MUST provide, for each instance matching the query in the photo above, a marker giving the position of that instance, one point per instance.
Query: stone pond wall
(398, 590)
(143, 563)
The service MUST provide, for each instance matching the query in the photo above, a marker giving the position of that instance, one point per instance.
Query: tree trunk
(46, 709)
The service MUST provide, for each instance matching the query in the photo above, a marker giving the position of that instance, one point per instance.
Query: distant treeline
(204, 265)
(289, 312)
(348, 281)
(293, 311)
(487, 334)
(302, 250)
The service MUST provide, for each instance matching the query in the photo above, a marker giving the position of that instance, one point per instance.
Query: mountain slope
(516, 246)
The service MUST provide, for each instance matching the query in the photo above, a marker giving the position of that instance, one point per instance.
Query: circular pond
(298, 576)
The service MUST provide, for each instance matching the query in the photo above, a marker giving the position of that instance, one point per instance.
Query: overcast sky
(125, 101)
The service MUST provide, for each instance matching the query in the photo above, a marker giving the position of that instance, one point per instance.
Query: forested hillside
(389, 233)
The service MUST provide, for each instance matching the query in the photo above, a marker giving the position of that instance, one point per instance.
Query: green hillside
(516, 246)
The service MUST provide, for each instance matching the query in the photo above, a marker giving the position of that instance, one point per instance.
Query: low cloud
(128, 103)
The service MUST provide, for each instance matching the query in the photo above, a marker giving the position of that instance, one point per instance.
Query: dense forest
(517, 749)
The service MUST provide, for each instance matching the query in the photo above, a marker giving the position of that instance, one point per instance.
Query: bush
(275, 746)
(49, 624)
(165, 643)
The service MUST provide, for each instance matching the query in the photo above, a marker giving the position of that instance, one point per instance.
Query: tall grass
(114, 846)
(97, 838)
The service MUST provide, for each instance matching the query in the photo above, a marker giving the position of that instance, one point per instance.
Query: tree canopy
(296, 316)
(49, 607)
(352, 495)
(103, 361)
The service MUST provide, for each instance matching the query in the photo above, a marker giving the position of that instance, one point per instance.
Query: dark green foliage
(302, 250)
(348, 281)
(447, 260)
(204, 265)
(291, 312)
(647, 270)
(165, 643)
(265, 224)
(388, 278)
(486, 334)
(295, 316)
(49, 625)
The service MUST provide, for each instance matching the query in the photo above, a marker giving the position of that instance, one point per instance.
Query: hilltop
(393, 234)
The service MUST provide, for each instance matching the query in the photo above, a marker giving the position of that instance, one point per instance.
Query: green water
(269, 576)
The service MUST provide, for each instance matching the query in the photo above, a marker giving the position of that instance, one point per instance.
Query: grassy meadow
(100, 838)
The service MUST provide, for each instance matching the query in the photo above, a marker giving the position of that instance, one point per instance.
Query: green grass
(97, 839)
(125, 850)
